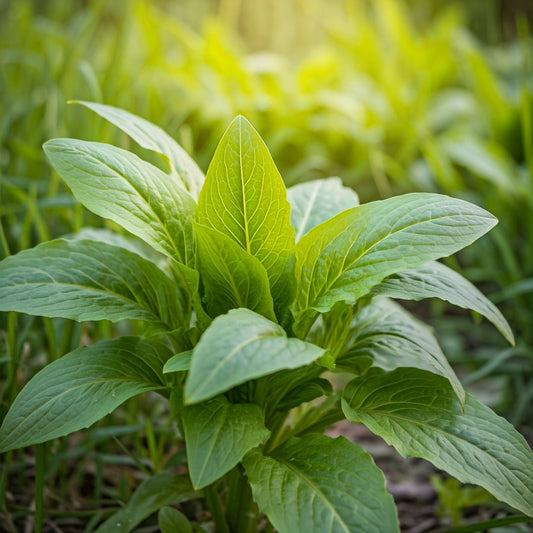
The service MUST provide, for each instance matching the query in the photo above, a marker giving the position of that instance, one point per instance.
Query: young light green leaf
(435, 280)
(82, 387)
(150, 496)
(231, 277)
(117, 185)
(316, 484)
(240, 346)
(245, 198)
(314, 202)
(218, 434)
(343, 258)
(418, 413)
(89, 280)
(178, 362)
(152, 137)
(392, 338)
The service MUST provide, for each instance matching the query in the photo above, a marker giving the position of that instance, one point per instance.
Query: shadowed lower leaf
(82, 387)
(418, 413)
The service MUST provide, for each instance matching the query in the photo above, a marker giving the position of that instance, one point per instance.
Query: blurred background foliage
(392, 96)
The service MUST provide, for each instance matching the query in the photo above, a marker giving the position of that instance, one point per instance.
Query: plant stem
(3, 241)
(52, 343)
(241, 511)
(65, 344)
(9, 391)
(3, 480)
(489, 524)
(212, 500)
(39, 486)
(275, 434)
(152, 447)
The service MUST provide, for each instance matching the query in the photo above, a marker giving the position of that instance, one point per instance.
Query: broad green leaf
(178, 362)
(418, 413)
(231, 277)
(240, 346)
(150, 496)
(343, 258)
(245, 198)
(186, 280)
(316, 484)
(218, 434)
(171, 520)
(89, 280)
(435, 280)
(115, 239)
(316, 201)
(82, 387)
(152, 137)
(392, 338)
(117, 185)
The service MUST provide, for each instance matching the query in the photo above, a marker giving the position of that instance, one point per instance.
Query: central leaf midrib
(243, 188)
(118, 296)
(146, 202)
(328, 286)
(316, 490)
(220, 419)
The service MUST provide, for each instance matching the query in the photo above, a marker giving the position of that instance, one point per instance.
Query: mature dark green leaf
(314, 202)
(82, 387)
(343, 258)
(316, 484)
(392, 338)
(152, 137)
(89, 280)
(435, 280)
(218, 434)
(116, 184)
(231, 277)
(245, 198)
(240, 346)
(150, 496)
(418, 413)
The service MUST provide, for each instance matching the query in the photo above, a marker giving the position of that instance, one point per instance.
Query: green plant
(250, 302)
(454, 498)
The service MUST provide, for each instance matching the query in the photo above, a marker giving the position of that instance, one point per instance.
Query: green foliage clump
(253, 297)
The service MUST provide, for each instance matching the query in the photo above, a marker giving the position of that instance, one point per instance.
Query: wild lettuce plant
(254, 298)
